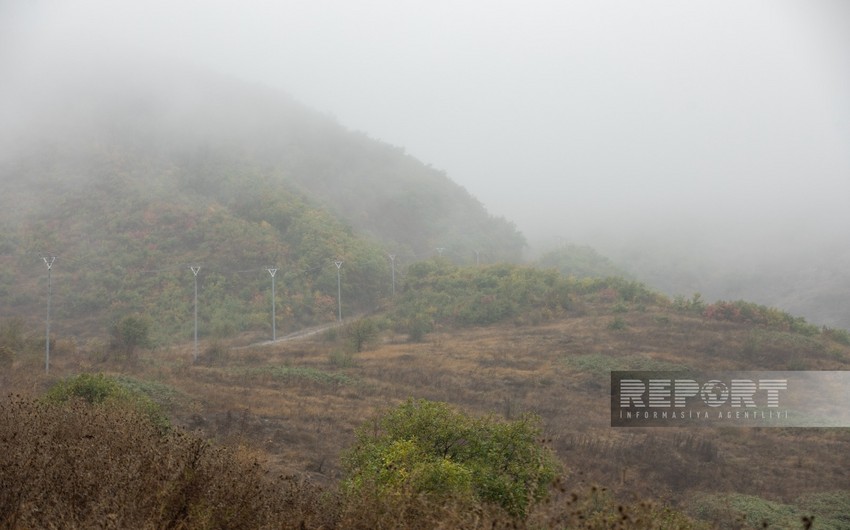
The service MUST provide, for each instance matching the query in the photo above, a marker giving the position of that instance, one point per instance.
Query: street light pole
(392, 260)
(195, 271)
(274, 330)
(338, 264)
(49, 264)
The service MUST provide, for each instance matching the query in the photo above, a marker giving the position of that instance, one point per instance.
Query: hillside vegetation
(462, 391)
(298, 406)
(129, 179)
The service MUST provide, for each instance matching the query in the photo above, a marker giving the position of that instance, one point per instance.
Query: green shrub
(361, 333)
(417, 328)
(599, 364)
(161, 394)
(92, 388)
(304, 373)
(130, 333)
(693, 305)
(438, 293)
(429, 448)
(769, 317)
(620, 307)
(99, 389)
(617, 324)
(831, 509)
(728, 510)
(341, 359)
(777, 349)
(840, 336)
(615, 288)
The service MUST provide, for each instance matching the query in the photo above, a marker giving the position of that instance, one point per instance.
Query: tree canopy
(430, 448)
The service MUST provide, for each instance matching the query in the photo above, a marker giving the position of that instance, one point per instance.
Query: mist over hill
(131, 171)
(192, 118)
(120, 164)
(804, 273)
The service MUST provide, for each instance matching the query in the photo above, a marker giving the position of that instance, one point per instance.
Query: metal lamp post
(338, 264)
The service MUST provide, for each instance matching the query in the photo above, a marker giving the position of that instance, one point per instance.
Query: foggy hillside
(804, 273)
(701, 147)
(189, 117)
(129, 172)
(492, 207)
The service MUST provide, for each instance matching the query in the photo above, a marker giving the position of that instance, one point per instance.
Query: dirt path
(302, 333)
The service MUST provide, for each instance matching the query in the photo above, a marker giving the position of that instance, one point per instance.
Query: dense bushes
(729, 510)
(439, 293)
(361, 333)
(436, 293)
(132, 242)
(771, 318)
(748, 312)
(98, 389)
(130, 333)
(75, 465)
(429, 448)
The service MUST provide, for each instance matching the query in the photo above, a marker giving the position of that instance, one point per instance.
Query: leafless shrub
(81, 466)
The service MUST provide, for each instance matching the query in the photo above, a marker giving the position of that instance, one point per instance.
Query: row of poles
(195, 270)
(273, 273)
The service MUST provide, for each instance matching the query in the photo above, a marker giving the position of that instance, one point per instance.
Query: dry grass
(295, 406)
(82, 466)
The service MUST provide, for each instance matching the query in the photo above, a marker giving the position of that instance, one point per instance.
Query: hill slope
(130, 173)
(297, 404)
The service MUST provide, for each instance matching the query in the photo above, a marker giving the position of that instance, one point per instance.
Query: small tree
(361, 333)
(429, 448)
(129, 333)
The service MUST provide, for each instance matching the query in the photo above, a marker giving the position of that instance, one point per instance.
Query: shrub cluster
(769, 317)
(99, 389)
(15, 340)
(439, 293)
(75, 465)
(429, 448)
(615, 288)
(80, 463)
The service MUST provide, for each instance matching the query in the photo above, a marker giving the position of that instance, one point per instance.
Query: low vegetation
(372, 429)
(437, 294)
(78, 465)
(74, 465)
(731, 509)
(468, 393)
(145, 197)
(429, 448)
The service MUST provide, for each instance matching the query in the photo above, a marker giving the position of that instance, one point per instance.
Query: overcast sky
(581, 119)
